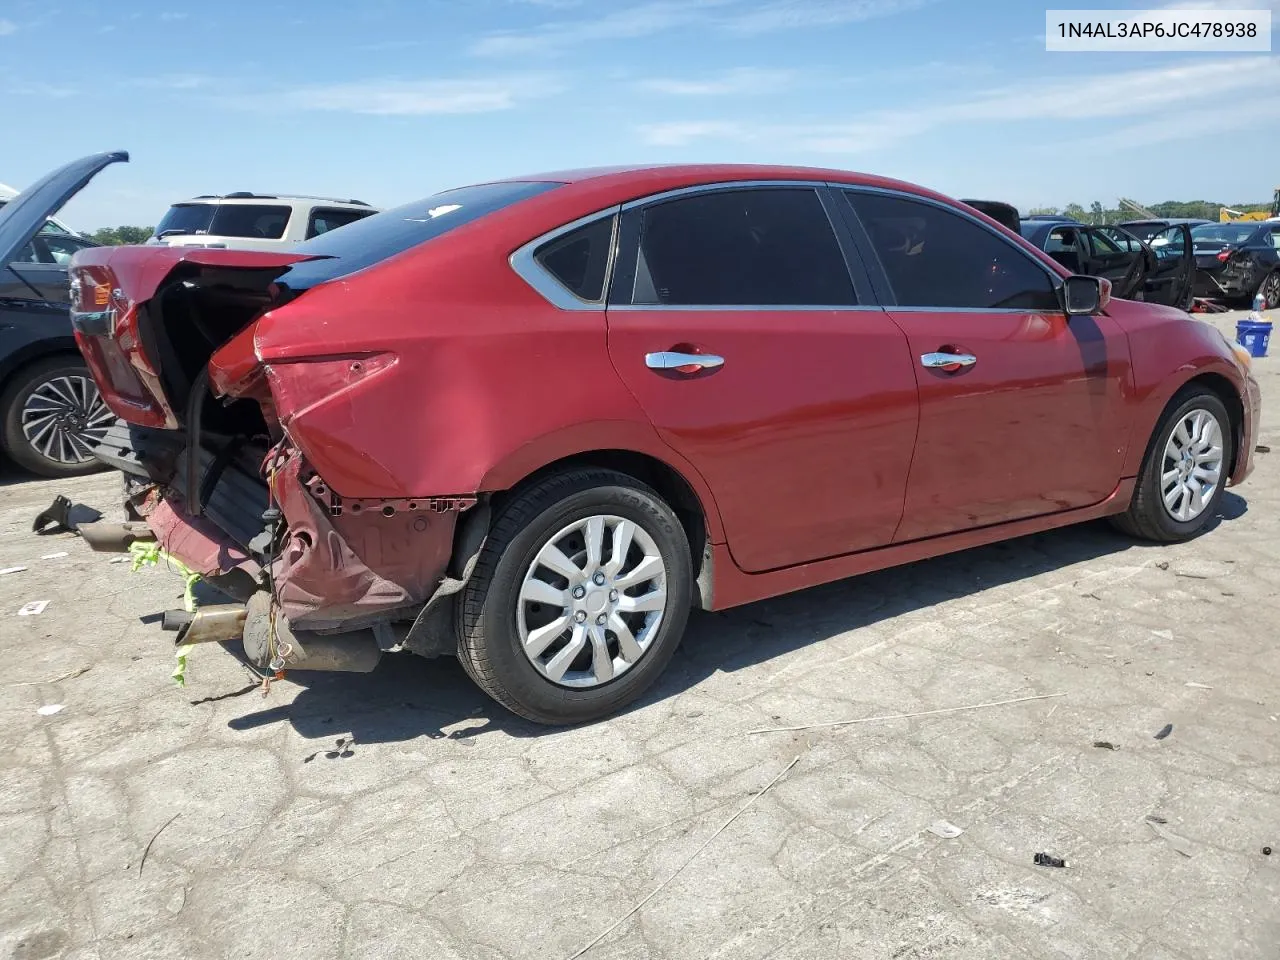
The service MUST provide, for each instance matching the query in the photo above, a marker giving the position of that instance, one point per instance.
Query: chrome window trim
(1055, 280)
(717, 186)
(748, 308)
(525, 263)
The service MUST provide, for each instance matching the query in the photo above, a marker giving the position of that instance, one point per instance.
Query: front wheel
(579, 598)
(1184, 472)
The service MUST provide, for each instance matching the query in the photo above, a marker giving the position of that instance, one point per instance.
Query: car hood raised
(22, 217)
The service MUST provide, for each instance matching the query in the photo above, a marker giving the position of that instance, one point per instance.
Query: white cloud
(739, 81)
(411, 97)
(744, 17)
(170, 16)
(629, 23)
(171, 81)
(1159, 91)
(7, 27)
(790, 14)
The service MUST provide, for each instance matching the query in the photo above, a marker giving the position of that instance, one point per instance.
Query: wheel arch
(1225, 391)
(677, 482)
(15, 362)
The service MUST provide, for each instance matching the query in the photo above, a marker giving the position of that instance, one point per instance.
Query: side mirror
(1085, 296)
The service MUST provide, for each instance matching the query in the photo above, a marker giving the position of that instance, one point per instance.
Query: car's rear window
(1224, 232)
(256, 221)
(185, 218)
(373, 239)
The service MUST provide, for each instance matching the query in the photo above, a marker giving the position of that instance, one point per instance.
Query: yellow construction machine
(1227, 215)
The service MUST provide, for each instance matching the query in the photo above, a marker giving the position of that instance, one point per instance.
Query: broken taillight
(1225, 255)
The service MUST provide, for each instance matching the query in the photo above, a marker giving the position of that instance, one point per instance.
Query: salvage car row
(532, 423)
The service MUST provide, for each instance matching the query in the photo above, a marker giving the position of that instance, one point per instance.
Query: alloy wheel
(1270, 291)
(1192, 466)
(63, 417)
(592, 601)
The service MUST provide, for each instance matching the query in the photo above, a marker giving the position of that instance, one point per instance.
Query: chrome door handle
(947, 361)
(668, 360)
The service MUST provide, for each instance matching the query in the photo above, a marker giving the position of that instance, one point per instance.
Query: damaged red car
(532, 423)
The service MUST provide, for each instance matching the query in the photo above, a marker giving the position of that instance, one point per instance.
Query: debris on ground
(905, 716)
(50, 709)
(1198, 686)
(62, 516)
(1104, 744)
(1164, 731)
(1163, 564)
(66, 676)
(34, 608)
(1181, 844)
(1156, 818)
(945, 829)
(1266, 851)
(143, 862)
(693, 856)
(1262, 448)
(54, 556)
(342, 749)
(1047, 860)
(11, 570)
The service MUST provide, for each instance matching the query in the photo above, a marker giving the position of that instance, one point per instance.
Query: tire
(62, 389)
(1270, 290)
(1148, 517)
(492, 612)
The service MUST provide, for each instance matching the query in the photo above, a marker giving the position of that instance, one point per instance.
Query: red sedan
(533, 422)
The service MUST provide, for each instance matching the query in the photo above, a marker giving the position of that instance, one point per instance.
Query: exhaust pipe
(212, 624)
(354, 652)
(114, 537)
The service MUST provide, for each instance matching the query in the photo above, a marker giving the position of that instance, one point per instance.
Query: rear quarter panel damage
(487, 381)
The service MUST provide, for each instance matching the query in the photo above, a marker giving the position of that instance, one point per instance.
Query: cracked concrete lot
(450, 829)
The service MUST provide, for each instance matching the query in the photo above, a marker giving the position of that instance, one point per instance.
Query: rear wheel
(52, 415)
(579, 598)
(1184, 472)
(1270, 290)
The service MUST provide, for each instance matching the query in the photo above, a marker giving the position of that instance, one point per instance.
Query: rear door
(738, 325)
(1020, 408)
(1066, 245)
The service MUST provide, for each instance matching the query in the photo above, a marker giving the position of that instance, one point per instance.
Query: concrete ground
(450, 829)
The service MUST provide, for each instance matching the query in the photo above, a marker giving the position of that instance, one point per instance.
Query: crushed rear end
(220, 444)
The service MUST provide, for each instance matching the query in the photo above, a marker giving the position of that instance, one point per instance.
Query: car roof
(1172, 221)
(647, 179)
(244, 196)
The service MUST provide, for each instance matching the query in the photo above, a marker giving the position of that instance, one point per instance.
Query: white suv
(254, 221)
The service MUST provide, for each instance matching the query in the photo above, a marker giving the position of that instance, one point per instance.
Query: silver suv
(254, 221)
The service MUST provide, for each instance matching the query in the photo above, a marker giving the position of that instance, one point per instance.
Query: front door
(735, 321)
(1170, 282)
(1020, 407)
(1117, 257)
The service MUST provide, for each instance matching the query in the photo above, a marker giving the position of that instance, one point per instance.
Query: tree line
(1191, 209)
(119, 236)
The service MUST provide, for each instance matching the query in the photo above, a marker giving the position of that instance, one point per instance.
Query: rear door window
(257, 221)
(768, 247)
(322, 220)
(935, 258)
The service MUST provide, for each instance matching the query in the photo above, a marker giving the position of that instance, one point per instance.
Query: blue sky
(390, 100)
